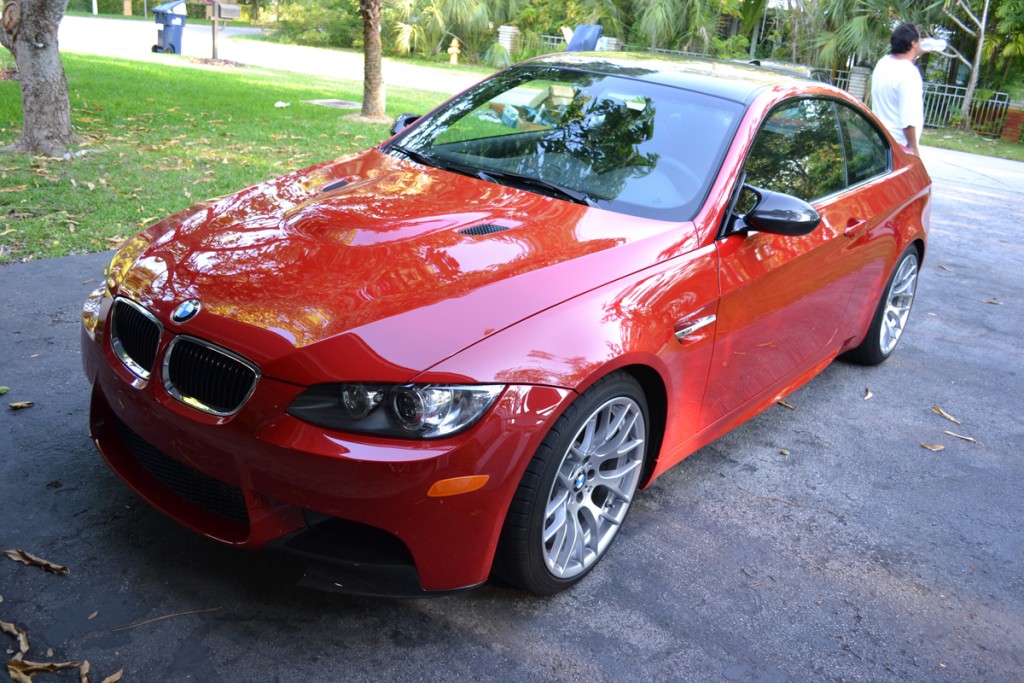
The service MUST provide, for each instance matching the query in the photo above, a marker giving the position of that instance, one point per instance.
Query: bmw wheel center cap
(185, 311)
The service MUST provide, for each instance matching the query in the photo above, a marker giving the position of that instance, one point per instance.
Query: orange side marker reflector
(458, 485)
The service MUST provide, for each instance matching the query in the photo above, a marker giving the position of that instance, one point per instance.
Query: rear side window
(799, 151)
(867, 153)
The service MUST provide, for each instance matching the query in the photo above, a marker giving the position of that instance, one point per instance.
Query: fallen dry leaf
(17, 633)
(947, 268)
(166, 616)
(92, 616)
(960, 436)
(33, 561)
(28, 668)
(113, 678)
(868, 394)
(18, 677)
(993, 302)
(19, 405)
(933, 448)
(16, 188)
(939, 411)
(787, 405)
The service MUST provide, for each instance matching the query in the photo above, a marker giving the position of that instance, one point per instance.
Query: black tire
(546, 553)
(891, 314)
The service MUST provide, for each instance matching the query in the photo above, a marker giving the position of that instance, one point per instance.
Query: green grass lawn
(950, 138)
(157, 138)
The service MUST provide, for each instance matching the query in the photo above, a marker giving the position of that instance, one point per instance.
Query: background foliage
(833, 34)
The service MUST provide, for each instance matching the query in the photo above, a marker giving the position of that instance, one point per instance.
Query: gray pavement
(859, 556)
(132, 39)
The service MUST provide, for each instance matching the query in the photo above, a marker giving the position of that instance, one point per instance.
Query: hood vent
(483, 229)
(333, 186)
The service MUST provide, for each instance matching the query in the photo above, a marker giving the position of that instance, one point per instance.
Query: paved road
(132, 39)
(859, 556)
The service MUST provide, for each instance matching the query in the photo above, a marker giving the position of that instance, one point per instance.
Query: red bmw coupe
(462, 353)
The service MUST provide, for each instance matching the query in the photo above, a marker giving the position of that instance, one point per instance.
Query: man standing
(896, 88)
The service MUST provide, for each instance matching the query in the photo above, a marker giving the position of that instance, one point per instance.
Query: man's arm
(911, 133)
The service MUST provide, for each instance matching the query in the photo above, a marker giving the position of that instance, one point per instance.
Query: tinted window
(628, 145)
(798, 151)
(867, 153)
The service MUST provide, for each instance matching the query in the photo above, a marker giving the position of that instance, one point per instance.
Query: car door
(783, 297)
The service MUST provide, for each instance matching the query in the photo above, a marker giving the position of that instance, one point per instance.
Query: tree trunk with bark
(972, 82)
(28, 28)
(373, 75)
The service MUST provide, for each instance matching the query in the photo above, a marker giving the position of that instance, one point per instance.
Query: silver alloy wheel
(897, 304)
(593, 488)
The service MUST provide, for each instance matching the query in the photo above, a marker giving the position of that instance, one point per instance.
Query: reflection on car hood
(382, 262)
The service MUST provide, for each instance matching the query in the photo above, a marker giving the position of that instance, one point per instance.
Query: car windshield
(611, 141)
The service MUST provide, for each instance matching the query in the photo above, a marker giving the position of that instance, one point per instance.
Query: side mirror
(780, 214)
(402, 121)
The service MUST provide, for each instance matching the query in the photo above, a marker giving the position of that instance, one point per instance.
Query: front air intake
(208, 377)
(135, 335)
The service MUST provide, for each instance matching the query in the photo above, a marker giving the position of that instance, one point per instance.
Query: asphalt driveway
(857, 556)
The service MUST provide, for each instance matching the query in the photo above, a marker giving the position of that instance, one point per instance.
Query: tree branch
(959, 23)
(966, 8)
(953, 52)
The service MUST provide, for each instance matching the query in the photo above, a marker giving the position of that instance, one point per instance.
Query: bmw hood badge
(185, 311)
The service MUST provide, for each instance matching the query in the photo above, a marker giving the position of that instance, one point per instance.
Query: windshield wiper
(538, 184)
(417, 156)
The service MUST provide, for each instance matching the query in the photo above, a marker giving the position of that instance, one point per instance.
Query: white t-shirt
(897, 96)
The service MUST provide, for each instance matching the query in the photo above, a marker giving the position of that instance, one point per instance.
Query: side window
(867, 153)
(798, 151)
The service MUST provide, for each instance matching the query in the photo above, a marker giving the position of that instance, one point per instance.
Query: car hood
(372, 267)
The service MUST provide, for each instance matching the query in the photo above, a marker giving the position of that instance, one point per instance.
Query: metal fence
(943, 106)
(553, 43)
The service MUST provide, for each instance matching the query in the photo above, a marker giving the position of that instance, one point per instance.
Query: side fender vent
(483, 229)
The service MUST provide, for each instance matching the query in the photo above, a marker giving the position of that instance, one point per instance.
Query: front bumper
(355, 509)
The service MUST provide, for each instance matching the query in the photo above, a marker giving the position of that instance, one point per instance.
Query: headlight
(123, 260)
(406, 411)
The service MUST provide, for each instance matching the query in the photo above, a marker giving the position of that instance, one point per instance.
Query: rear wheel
(577, 489)
(892, 313)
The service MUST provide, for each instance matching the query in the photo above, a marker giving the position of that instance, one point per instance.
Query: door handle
(694, 326)
(853, 226)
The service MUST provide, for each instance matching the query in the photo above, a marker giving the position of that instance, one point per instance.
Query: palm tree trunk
(373, 75)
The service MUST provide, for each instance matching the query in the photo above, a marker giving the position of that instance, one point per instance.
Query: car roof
(728, 80)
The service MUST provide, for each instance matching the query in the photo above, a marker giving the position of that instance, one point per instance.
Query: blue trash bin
(168, 35)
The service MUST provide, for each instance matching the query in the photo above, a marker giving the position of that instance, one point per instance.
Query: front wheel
(577, 489)
(891, 316)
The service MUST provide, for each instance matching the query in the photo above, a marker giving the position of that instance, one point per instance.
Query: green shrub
(329, 23)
